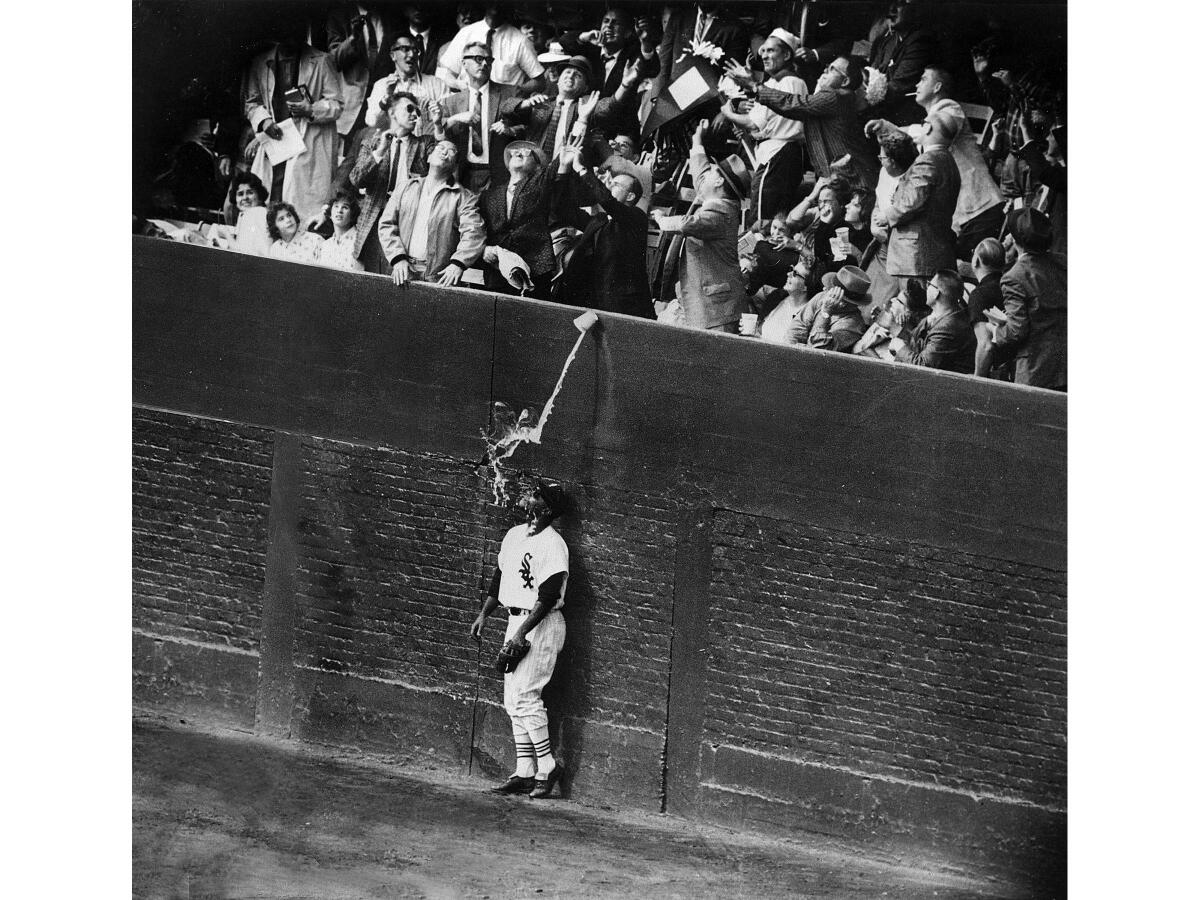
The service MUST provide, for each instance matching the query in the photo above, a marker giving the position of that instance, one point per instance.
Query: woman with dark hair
(245, 209)
(290, 242)
(858, 219)
(337, 251)
(816, 252)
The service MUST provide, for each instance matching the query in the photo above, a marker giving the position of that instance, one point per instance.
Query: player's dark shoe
(515, 784)
(543, 786)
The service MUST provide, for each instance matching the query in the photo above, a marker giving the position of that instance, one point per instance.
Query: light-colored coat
(711, 290)
(455, 225)
(306, 177)
(922, 240)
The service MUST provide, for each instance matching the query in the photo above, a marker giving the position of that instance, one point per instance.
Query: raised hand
(739, 73)
(588, 104)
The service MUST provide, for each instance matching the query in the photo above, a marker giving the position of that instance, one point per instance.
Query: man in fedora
(943, 337)
(712, 293)
(838, 321)
(1035, 302)
(517, 216)
(550, 121)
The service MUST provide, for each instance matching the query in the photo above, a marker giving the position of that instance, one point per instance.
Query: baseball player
(530, 582)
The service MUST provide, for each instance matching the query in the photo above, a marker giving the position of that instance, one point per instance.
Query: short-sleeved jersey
(528, 560)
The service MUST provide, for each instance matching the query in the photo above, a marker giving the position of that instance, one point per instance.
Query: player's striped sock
(526, 754)
(541, 746)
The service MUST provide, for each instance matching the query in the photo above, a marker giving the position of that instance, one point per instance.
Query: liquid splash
(509, 430)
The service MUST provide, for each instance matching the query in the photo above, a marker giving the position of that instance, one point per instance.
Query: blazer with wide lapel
(526, 231)
(372, 177)
(501, 100)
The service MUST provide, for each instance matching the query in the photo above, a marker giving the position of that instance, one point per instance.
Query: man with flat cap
(1035, 303)
(530, 582)
(712, 293)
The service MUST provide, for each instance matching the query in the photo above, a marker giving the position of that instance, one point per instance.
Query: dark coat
(831, 130)
(606, 270)
(647, 68)
(945, 342)
(349, 57)
(526, 232)
(902, 56)
(922, 239)
(1035, 301)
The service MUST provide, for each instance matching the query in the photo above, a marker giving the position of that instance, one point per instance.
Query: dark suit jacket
(438, 38)
(606, 270)
(1035, 301)
(608, 116)
(372, 177)
(647, 68)
(500, 98)
(526, 232)
(902, 57)
(729, 34)
(922, 239)
(947, 342)
(347, 55)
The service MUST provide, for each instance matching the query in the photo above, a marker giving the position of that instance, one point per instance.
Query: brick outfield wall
(843, 672)
(787, 617)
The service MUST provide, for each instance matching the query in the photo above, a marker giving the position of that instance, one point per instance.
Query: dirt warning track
(221, 814)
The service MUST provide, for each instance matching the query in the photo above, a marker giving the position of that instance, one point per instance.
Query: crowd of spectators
(845, 192)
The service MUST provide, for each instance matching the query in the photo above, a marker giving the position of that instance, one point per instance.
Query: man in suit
(980, 209)
(604, 271)
(550, 121)
(473, 120)
(942, 337)
(921, 213)
(517, 216)
(621, 40)
(428, 36)
(1035, 302)
(431, 229)
(694, 23)
(406, 77)
(900, 55)
(387, 157)
(712, 292)
(358, 36)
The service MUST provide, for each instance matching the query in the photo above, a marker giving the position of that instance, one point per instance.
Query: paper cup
(749, 323)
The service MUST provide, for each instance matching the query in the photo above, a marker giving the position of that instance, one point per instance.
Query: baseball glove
(511, 654)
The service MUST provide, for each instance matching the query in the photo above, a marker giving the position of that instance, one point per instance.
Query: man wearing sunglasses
(407, 78)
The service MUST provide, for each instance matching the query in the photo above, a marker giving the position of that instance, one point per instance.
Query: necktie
(552, 128)
(477, 130)
(372, 42)
(398, 149)
(490, 36)
(419, 43)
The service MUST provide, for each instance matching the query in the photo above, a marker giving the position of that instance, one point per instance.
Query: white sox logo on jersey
(526, 573)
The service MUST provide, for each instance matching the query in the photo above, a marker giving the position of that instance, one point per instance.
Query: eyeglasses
(478, 59)
(404, 48)
(832, 68)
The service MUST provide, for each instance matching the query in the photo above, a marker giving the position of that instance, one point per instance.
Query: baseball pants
(523, 686)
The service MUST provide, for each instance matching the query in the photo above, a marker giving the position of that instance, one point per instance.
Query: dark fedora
(737, 176)
(583, 65)
(855, 282)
